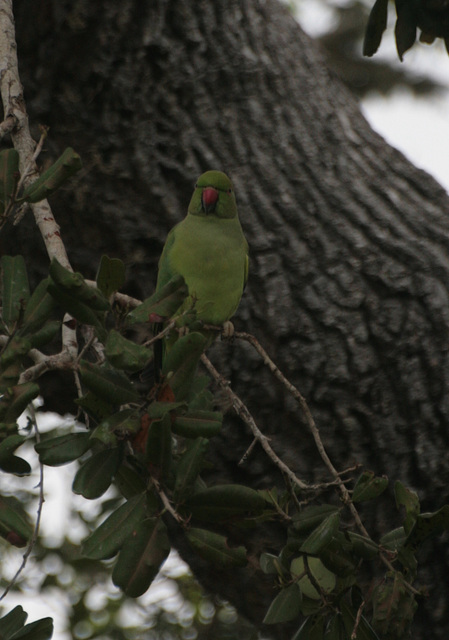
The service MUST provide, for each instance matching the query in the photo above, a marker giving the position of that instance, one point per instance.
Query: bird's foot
(227, 331)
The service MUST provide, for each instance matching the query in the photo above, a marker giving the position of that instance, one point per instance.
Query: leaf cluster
(319, 569)
(12, 190)
(13, 627)
(152, 444)
(431, 18)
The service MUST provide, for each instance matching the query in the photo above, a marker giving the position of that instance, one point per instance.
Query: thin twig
(37, 524)
(122, 298)
(345, 495)
(279, 510)
(161, 334)
(30, 167)
(357, 620)
(166, 502)
(248, 452)
(241, 409)
(310, 422)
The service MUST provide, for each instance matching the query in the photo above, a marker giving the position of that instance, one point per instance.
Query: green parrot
(209, 250)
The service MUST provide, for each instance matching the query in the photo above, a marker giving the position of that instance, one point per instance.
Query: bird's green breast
(210, 253)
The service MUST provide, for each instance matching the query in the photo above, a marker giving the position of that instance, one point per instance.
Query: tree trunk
(348, 241)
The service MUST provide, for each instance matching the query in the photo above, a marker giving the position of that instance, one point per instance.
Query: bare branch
(66, 359)
(166, 502)
(344, 493)
(241, 410)
(310, 422)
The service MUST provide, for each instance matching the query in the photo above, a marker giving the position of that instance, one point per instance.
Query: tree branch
(241, 410)
(15, 111)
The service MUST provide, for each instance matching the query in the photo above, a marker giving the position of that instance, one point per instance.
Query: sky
(419, 127)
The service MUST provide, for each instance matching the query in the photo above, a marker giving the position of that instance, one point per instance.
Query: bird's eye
(229, 191)
(196, 185)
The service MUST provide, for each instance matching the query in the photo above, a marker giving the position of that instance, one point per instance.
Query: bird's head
(213, 195)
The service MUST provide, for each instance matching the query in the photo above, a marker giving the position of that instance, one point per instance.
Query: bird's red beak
(209, 199)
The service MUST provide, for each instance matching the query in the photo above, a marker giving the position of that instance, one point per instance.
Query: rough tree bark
(349, 242)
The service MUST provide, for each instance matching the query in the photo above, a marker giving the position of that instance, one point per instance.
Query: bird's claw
(227, 331)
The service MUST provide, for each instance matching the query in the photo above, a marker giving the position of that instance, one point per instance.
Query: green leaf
(74, 285)
(40, 630)
(117, 426)
(62, 449)
(95, 407)
(38, 309)
(270, 564)
(16, 348)
(181, 363)
(312, 629)
(162, 303)
(188, 467)
(9, 445)
(159, 409)
(14, 520)
(224, 501)
(393, 540)
(369, 486)
(393, 607)
(428, 524)
(200, 397)
(409, 500)
(16, 465)
(111, 275)
(94, 477)
(310, 607)
(65, 166)
(108, 384)
(194, 424)
(335, 629)
(214, 548)
(337, 559)
(322, 535)
(141, 557)
(312, 516)
(44, 335)
(285, 607)
(12, 622)
(405, 29)
(408, 560)
(19, 397)
(377, 23)
(159, 446)
(76, 308)
(105, 541)
(320, 575)
(9, 176)
(363, 547)
(129, 481)
(15, 288)
(125, 354)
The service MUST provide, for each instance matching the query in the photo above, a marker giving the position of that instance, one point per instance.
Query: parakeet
(209, 250)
